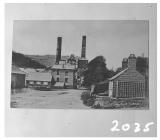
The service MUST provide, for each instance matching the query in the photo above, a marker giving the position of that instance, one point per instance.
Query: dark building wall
(17, 80)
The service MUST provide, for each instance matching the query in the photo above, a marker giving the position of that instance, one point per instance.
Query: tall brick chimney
(59, 46)
(83, 53)
(132, 62)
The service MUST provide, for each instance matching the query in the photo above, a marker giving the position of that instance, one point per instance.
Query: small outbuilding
(38, 79)
(128, 83)
(17, 78)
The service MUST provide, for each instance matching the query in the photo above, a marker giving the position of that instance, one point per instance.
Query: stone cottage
(128, 83)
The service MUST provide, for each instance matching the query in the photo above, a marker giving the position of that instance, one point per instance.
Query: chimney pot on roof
(132, 62)
(124, 63)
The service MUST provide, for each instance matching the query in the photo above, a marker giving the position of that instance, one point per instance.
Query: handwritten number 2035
(126, 127)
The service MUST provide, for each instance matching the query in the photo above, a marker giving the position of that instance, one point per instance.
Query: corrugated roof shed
(39, 76)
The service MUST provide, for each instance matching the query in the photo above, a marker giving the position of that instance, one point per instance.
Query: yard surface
(60, 98)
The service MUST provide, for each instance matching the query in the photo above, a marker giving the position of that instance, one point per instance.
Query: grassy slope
(21, 60)
(46, 60)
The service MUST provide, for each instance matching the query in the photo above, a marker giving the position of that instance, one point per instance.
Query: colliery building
(128, 83)
(66, 72)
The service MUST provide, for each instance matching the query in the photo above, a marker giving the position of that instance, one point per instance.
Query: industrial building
(68, 72)
(128, 83)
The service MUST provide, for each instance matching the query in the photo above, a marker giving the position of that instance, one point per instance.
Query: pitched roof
(28, 70)
(118, 74)
(68, 67)
(39, 76)
(17, 70)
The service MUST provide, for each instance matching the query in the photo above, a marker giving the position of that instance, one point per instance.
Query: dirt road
(58, 99)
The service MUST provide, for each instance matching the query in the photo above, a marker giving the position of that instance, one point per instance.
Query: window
(38, 82)
(57, 72)
(66, 73)
(66, 80)
(58, 79)
(45, 83)
(31, 82)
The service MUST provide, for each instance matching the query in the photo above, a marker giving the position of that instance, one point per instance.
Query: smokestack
(83, 53)
(58, 53)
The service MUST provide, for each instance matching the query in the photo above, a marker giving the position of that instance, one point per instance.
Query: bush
(101, 88)
(90, 101)
(98, 106)
(87, 98)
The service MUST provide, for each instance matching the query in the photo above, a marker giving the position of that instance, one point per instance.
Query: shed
(17, 78)
(128, 83)
(38, 79)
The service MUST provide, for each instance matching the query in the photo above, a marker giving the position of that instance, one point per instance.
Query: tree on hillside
(142, 65)
(21, 60)
(96, 72)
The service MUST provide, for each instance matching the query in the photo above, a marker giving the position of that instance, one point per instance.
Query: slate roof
(39, 76)
(118, 74)
(28, 70)
(17, 70)
(68, 67)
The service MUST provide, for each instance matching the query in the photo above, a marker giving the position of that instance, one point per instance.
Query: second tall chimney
(83, 53)
(59, 46)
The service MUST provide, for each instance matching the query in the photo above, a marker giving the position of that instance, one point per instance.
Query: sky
(113, 39)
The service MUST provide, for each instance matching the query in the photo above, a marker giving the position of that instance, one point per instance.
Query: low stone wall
(110, 103)
(103, 102)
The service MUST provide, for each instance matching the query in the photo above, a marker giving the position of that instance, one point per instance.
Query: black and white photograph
(81, 69)
(80, 64)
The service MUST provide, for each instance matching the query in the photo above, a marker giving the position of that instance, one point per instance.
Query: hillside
(46, 60)
(21, 60)
(34, 61)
